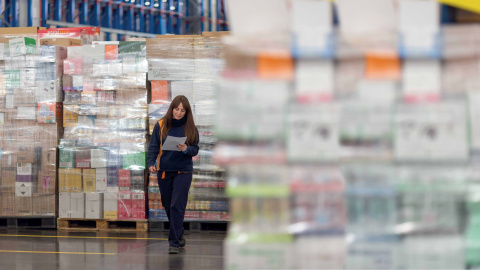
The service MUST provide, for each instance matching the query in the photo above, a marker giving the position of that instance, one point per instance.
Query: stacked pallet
(190, 66)
(103, 151)
(30, 123)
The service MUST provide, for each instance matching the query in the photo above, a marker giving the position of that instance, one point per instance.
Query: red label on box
(124, 206)
(138, 206)
(124, 180)
(110, 52)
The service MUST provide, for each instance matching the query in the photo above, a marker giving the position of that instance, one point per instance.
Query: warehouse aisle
(51, 249)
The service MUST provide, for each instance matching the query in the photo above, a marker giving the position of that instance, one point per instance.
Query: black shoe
(173, 250)
(182, 241)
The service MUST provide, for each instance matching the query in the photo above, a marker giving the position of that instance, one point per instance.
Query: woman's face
(179, 112)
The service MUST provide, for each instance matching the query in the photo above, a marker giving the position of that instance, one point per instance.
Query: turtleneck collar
(179, 123)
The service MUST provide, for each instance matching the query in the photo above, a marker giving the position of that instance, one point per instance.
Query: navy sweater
(172, 160)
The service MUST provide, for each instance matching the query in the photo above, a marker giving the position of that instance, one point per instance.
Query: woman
(174, 168)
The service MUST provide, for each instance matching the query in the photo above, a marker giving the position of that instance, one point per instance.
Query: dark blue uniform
(174, 177)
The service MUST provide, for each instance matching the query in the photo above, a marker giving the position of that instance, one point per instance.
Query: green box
(12, 78)
(67, 157)
(22, 46)
(134, 161)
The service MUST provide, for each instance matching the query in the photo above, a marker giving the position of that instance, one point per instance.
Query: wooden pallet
(28, 222)
(190, 226)
(104, 225)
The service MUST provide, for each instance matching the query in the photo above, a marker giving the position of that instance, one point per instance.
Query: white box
(98, 158)
(23, 189)
(64, 204)
(94, 205)
(27, 113)
(101, 180)
(77, 205)
(110, 205)
(182, 88)
(171, 69)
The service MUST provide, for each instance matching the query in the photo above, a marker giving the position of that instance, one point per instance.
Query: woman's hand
(152, 169)
(182, 147)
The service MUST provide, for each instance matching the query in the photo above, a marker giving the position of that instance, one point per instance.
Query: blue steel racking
(153, 17)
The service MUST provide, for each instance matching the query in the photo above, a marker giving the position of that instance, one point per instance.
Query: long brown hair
(190, 129)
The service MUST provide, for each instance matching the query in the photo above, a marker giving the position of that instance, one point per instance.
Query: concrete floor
(52, 249)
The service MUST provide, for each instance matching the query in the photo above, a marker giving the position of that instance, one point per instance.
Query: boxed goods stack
(102, 153)
(30, 122)
(189, 66)
(351, 152)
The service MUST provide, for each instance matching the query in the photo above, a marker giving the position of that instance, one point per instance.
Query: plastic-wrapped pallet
(190, 66)
(30, 122)
(103, 150)
(372, 131)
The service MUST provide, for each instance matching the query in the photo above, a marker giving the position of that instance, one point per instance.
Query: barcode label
(75, 188)
(64, 188)
(83, 164)
(89, 184)
(124, 196)
(138, 197)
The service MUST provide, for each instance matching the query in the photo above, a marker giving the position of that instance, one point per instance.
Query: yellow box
(74, 178)
(110, 215)
(89, 180)
(70, 180)
(70, 115)
(62, 184)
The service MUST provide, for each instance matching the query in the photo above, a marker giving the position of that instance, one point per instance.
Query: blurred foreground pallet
(32, 222)
(191, 226)
(106, 225)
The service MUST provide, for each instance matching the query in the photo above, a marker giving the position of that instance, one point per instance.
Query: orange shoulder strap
(160, 123)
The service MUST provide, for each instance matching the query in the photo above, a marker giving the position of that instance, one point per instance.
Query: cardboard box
(94, 205)
(9, 176)
(27, 113)
(98, 158)
(24, 172)
(64, 201)
(44, 204)
(23, 189)
(124, 206)
(89, 180)
(73, 82)
(82, 156)
(110, 206)
(46, 182)
(65, 42)
(137, 180)
(77, 205)
(101, 180)
(169, 47)
(8, 205)
(17, 31)
(138, 206)
(66, 157)
(23, 206)
(112, 179)
(124, 180)
(216, 34)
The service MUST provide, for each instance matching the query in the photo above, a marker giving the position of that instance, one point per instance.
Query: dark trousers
(174, 192)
